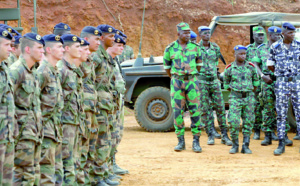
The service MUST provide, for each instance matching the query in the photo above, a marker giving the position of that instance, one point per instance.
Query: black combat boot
(215, 133)
(225, 139)
(274, 137)
(287, 141)
(256, 135)
(281, 148)
(211, 137)
(245, 147)
(196, 145)
(268, 139)
(181, 144)
(235, 146)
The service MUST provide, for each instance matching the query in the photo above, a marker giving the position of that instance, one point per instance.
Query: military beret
(203, 28)
(119, 32)
(71, 38)
(274, 29)
(183, 26)
(119, 39)
(92, 30)
(17, 39)
(9, 29)
(240, 47)
(53, 38)
(62, 26)
(107, 28)
(258, 30)
(288, 26)
(35, 37)
(5, 34)
(193, 35)
(84, 42)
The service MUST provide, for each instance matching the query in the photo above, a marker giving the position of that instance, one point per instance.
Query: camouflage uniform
(104, 110)
(241, 80)
(28, 113)
(51, 106)
(126, 54)
(71, 81)
(286, 62)
(267, 91)
(211, 95)
(11, 59)
(251, 52)
(184, 84)
(7, 112)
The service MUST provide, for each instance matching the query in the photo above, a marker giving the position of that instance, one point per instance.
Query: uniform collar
(23, 62)
(201, 44)
(101, 49)
(233, 64)
(46, 63)
(177, 45)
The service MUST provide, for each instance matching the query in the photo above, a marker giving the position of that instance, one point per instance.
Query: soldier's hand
(267, 79)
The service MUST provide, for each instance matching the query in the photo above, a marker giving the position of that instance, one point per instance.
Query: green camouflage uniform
(11, 59)
(241, 79)
(89, 139)
(126, 54)
(211, 96)
(51, 106)
(184, 84)
(267, 97)
(104, 109)
(7, 115)
(251, 52)
(28, 113)
(71, 82)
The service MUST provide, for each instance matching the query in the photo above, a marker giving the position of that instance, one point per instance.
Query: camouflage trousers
(7, 151)
(47, 162)
(211, 98)
(69, 147)
(241, 108)
(59, 169)
(99, 168)
(269, 112)
(185, 92)
(258, 110)
(284, 91)
(27, 167)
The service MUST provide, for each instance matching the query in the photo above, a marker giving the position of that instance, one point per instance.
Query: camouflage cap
(183, 26)
(258, 30)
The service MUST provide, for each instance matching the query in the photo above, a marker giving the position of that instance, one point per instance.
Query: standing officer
(241, 79)
(28, 113)
(284, 62)
(258, 36)
(182, 62)
(16, 51)
(61, 29)
(7, 110)
(211, 96)
(267, 87)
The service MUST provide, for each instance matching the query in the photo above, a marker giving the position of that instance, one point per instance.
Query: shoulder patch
(261, 45)
(248, 45)
(215, 44)
(228, 66)
(251, 64)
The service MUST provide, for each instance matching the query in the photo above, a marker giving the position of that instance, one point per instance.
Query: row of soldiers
(62, 107)
(253, 86)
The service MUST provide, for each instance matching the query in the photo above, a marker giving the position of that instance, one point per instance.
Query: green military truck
(148, 85)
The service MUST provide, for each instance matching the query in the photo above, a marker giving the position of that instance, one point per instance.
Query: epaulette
(195, 44)
(276, 45)
(248, 46)
(251, 64)
(228, 66)
(170, 45)
(215, 44)
(261, 45)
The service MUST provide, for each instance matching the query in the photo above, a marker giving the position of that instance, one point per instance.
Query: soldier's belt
(240, 94)
(288, 79)
(206, 78)
(183, 77)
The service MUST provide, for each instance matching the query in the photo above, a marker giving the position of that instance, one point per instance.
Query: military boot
(117, 169)
(256, 135)
(110, 182)
(268, 139)
(287, 141)
(196, 145)
(211, 137)
(281, 148)
(297, 137)
(274, 137)
(225, 139)
(245, 147)
(235, 146)
(101, 183)
(114, 177)
(181, 144)
(215, 133)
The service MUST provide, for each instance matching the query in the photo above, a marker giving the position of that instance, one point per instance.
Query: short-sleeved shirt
(262, 55)
(182, 61)
(240, 78)
(286, 60)
(126, 54)
(210, 60)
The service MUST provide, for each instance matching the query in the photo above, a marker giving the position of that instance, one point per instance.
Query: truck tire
(291, 116)
(153, 110)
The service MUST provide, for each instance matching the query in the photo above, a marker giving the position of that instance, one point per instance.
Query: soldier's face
(5, 48)
(184, 35)
(118, 48)
(36, 52)
(259, 38)
(57, 51)
(205, 35)
(240, 55)
(274, 37)
(84, 54)
(74, 50)
(289, 35)
(94, 43)
(108, 39)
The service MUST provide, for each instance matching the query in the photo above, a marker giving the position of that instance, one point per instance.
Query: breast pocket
(25, 94)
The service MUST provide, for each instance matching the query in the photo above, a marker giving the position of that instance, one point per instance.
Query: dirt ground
(151, 161)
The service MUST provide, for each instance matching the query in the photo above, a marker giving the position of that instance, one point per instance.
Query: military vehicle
(148, 86)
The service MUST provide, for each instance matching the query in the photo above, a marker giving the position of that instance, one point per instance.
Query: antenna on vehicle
(34, 29)
(139, 62)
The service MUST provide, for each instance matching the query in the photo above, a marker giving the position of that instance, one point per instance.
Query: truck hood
(157, 61)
